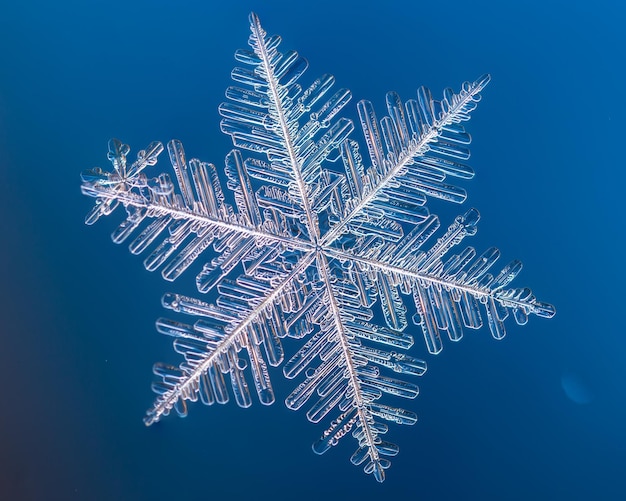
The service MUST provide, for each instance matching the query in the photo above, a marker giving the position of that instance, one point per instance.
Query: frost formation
(326, 242)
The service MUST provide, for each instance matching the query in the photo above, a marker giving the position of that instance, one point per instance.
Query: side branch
(501, 295)
(272, 84)
(128, 198)
(359, 401)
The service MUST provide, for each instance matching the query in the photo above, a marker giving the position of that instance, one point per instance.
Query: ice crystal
(324, 243)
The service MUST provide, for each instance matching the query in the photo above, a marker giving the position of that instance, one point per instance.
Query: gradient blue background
(77, 313)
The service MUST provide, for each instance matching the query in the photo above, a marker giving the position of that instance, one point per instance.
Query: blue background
(539, 415)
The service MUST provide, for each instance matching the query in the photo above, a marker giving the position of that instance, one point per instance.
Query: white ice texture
(326, 242)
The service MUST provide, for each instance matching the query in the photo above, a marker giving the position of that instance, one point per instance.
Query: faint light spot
(576, 389)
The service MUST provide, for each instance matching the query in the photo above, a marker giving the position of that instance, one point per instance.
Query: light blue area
(576, 388)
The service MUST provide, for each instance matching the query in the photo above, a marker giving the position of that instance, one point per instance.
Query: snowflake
(321, 245)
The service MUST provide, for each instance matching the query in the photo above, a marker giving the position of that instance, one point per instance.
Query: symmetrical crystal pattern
(311, 236)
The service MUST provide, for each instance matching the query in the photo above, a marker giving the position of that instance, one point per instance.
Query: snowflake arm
(294, 129)
(245, 317)
(347, 376)
(446, 292)
(176, 215)
(423, 143)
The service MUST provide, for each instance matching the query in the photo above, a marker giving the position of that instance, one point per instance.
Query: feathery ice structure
(323, 243)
